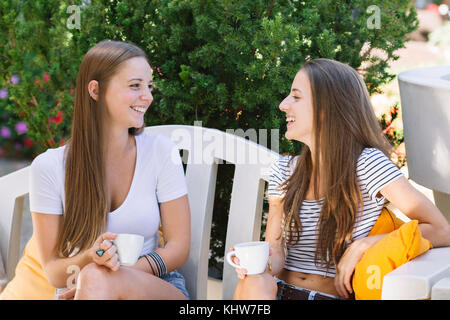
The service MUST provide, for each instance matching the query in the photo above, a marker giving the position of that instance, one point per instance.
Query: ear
(93, 89)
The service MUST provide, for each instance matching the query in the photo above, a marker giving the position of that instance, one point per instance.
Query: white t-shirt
(158, 177)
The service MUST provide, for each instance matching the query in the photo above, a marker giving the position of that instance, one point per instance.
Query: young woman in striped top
(324, 202)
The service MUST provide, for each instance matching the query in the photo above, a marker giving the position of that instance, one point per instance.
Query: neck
(117, 143)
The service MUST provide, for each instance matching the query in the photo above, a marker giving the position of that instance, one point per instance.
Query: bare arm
(433, 225)
(46, 228)
(176, 227)
(273, 234)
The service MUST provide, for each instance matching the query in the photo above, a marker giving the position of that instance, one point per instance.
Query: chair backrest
(206, 148)
(13, 189)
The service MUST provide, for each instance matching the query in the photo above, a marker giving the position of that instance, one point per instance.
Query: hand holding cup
(103, 252)
(249, 257)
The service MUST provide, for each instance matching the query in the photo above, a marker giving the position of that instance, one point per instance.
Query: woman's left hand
(67, 294)
(346, 266)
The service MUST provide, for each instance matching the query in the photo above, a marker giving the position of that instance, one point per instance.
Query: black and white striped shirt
(374, 171)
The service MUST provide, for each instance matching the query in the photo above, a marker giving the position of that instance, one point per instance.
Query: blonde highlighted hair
(344, 123)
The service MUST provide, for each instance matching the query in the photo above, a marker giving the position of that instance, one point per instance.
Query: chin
(289, 136)
(135, 124)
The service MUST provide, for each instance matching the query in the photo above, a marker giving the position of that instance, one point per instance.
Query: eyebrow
(139, 79)
(298, 90)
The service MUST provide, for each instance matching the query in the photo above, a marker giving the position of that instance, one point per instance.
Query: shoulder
(283, 166)
(155, 141)
(372, 155)
(48, 160)
(158, 149)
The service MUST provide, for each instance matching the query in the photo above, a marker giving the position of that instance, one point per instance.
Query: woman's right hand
(109, 258)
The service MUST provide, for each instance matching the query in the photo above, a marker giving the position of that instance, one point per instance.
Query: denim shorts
(177, 280)
(311, 293)
(174, 278)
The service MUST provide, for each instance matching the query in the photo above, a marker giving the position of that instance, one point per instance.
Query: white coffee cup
(253, 256)
(129, 248)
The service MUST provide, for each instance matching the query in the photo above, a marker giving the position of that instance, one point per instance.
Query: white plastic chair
(425, 93)
(13, 189)
(206, 148)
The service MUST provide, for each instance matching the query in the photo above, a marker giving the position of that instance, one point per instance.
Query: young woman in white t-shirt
(324, 202)
(111, 178)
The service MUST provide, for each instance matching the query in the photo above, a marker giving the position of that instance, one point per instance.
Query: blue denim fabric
(312, 293)
(177, 280)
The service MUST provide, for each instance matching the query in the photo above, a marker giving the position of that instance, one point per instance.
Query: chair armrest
(441, 290)
(3, 278)
(414, 279)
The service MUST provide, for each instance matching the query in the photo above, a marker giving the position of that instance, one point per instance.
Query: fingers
(106, 252)
(241, 272)
(348, 284)
(106, 236)
(342, 282)
(67, 294)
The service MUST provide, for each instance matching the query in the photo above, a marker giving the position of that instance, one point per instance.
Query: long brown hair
(86, 194)
(344, 123)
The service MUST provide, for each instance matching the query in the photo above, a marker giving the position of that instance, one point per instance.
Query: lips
(290, 121)
(138, 109)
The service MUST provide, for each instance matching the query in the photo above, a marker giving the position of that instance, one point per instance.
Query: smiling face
(298, 106)
(129, 93)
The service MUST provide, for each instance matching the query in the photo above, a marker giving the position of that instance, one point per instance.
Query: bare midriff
(309, 281)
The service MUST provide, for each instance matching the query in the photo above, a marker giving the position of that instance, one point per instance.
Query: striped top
(374, 171)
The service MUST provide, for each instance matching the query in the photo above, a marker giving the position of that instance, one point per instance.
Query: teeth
(290, 119)
(139, 109)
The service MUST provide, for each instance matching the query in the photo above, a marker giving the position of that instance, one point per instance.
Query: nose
(284, 105)
(147, 95)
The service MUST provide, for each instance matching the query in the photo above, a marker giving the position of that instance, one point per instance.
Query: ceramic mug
(253, 256)
(129, 248)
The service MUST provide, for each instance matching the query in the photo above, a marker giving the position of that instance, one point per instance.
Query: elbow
(445, 235)
(53, 278)
(54, 282)
(185, 256)
(440, 236)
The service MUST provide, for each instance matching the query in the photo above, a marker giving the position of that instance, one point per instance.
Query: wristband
(159, 262)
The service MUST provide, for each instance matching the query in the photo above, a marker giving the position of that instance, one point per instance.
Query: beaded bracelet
(159, 263)
(150, 264)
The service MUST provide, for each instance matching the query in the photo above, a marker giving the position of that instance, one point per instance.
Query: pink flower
(14, 79)
(5, 132)
(46, 77)
(4, 94)
(21, 127)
